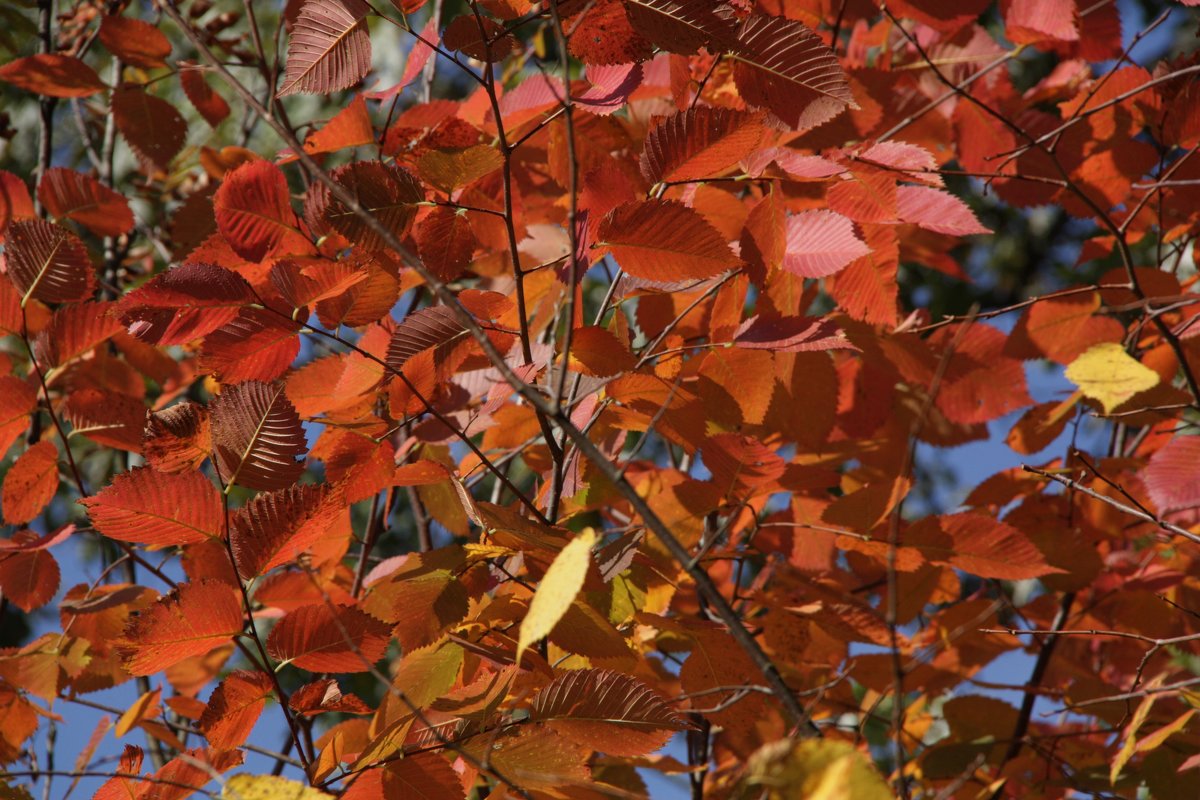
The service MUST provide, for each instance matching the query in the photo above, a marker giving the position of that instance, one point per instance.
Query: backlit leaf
(320, 638)
(781, 65)
(211, 105)
(821, 243)
(254, 212)
(664, 241)
(190, 621)
(274, 528)
(557, 590)
(1109, 375)
(153, 127)
(184, 303)
(607, 711)
(52, 75)
(68, 194)
(30, 483)
(233, 709)
(268, 787)
(157, 508)
(178, 438)
(423, 330)
(681, 26)
(936, 210)
(702, 142)
(135, 42)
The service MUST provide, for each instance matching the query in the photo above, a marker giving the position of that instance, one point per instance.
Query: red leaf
(178, 438)
(741, 462)
(597, 352)
(325, 696)
(791, 335)
(421, 331)
(233, 708)
(329, 47)
(17, 400)
(611, 86)
(607, 711)
(184, 303)
(257, 436)
(979, 544)
(604, 35)
(389, 193)
(781, 65)
(30, 483)
(28, 578)
(109, 418)
(52, 75)
(702, 142)
(258, 345)
(190, 621)
(254, 212)
(135, 42)
(936, 210)
(664, 241)
(275, 528)
(304, 282)
(48, 262)
(446, 242)
(153, 127)
(681, 26)
(821, 243)
(1033, 21)
(211, 105)
(350, 127)
(319, 638)
(427, 776)
(157, 509)
(15, 201)
(68, 194)
(1172, 478)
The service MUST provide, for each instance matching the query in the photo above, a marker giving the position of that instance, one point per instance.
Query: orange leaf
(321, 638)
(30, 484)
(233, 708)
(52, 75)
(135, 42)
(190, 621)
(664, 241)
(157, 509)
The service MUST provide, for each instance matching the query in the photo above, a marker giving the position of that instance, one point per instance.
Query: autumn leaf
(664, 241)
(254, 211)
(1109, 375)
(30, 484)
(557, 589)
(256, 436)
(322, 638)
(52, 75)
(329, 47)
(48, 262)
(193, 619)
(157, 508)
(607, 711)
(233, 708)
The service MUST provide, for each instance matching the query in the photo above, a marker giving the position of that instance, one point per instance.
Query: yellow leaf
(815, 770)
(268, 787)
(145, 707)
(1106, 373)
(558, 588)
(1166, 731)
